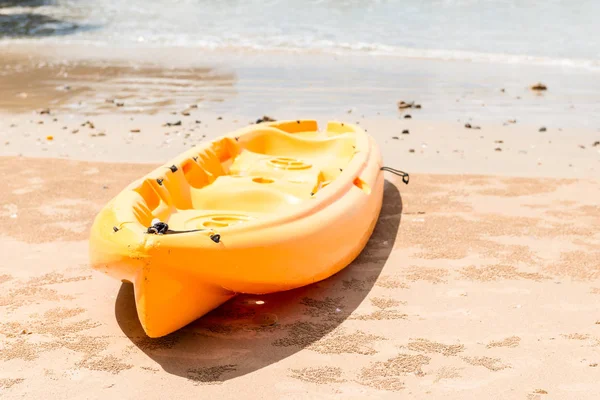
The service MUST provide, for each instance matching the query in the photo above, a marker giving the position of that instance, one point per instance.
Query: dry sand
(471, 286)
(481, 280)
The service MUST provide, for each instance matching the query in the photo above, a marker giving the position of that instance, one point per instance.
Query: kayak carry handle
(404, 175)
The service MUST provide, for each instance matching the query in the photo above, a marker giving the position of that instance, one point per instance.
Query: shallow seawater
(454, 57)
(554, 32)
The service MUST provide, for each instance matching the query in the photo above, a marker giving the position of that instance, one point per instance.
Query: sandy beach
(482, 279)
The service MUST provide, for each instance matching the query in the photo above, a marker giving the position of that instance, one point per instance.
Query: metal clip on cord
(404, 175)
(162, 228)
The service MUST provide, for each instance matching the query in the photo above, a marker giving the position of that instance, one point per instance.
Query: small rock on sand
(498, 149)
(395, 137)
(538, 87)
(45, 111)
(542, 129)
(411, 150)
(405, 132)
(185, 113)
(596, 143)
(135, 131)
(176, 123)
(407, 116)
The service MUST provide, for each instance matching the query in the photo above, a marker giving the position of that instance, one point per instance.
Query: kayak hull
(273, 212)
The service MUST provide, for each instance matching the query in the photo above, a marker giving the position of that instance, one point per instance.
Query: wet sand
(481, 279)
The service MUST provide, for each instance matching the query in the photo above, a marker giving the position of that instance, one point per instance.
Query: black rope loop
(404, 175)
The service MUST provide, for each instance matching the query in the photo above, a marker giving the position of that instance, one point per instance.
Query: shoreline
(254, 84)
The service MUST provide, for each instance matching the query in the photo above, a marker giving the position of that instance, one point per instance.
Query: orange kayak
(270, 207)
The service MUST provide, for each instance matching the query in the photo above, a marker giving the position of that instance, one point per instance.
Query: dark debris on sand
(538, 87)
(265, 118)
(403, 104)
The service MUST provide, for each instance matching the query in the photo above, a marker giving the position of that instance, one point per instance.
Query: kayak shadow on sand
(250, 331)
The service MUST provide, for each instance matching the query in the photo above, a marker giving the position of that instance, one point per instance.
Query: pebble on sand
(498, 149)
(411, 150)
(405, 132)
(407, 116)
(596, 143)
(542, 129)
(176, 123)
(45, 111)
(134, 131)
(538, 86)
(395, 137)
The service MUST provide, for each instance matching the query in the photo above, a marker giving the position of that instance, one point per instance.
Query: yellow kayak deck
(270, 207)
